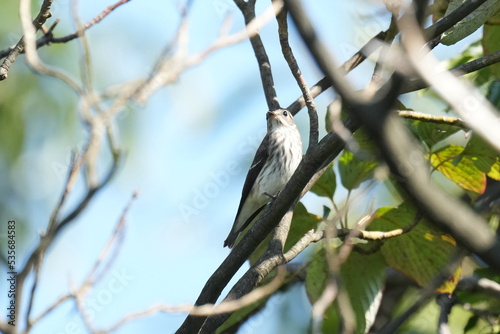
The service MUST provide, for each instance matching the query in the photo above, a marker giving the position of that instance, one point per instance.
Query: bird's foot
(271, 196)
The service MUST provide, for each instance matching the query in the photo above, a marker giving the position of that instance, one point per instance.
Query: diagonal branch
(297, 74)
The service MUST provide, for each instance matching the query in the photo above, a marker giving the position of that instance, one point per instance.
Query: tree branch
(396, 145)
(42, 16)
(297, 74)
(248, 10)
(469, 67)
(451, 19)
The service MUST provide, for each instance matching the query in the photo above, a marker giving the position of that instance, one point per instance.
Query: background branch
(248, 10)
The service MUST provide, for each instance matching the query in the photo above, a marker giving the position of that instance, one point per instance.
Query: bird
(274, 163)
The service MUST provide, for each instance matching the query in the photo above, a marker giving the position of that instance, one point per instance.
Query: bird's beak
(273, 114)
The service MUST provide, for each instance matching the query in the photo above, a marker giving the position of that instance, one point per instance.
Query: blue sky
(188, 153)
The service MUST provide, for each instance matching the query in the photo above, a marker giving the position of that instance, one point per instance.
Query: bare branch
(42, 16)
(78, 294)
(248, 10)
(168, 70)
(297, 74)
(48, 37)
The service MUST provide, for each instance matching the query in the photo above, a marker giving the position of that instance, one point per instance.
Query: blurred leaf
(438, 9)
(431, 133)
(494, 93)
(364, 141)
(317, 273)
(470, 23)
(494, 172)
(481, 298)
(491, 41)
(326, 184)
(361, 275)
(302, 222)
(353, 171)
(459, 168)
(419, 254)
(482, 154)
(471, 324)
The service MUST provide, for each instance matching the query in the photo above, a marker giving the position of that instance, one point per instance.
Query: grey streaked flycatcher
(274, 163)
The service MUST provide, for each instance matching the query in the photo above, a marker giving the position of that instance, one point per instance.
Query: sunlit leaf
(482, 154)
(459, 168)
(431, 133)
(419, 254)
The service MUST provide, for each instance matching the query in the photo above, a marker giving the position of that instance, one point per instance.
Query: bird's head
(278, 119)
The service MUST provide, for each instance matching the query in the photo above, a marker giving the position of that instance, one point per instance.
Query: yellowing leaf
(460, 169)
(419, 254)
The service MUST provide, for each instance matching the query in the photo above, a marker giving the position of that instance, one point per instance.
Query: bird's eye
(285, 113)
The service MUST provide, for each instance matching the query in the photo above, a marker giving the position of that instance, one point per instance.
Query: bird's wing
(258, 162)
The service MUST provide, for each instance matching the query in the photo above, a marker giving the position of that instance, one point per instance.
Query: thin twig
(297, 74)
(209, 309)
(48, 37)
(420, 116)
(248, 10)
(13, 53)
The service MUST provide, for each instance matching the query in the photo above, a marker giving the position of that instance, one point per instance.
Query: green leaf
(353, 171)
(326, 184)
(482, 154)
(316, 276)
(491, 42)
(459, 168)
(419, 254)
(302, 222)
(471, 323)
(362, 276)
(431, 133)
(470, 23)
